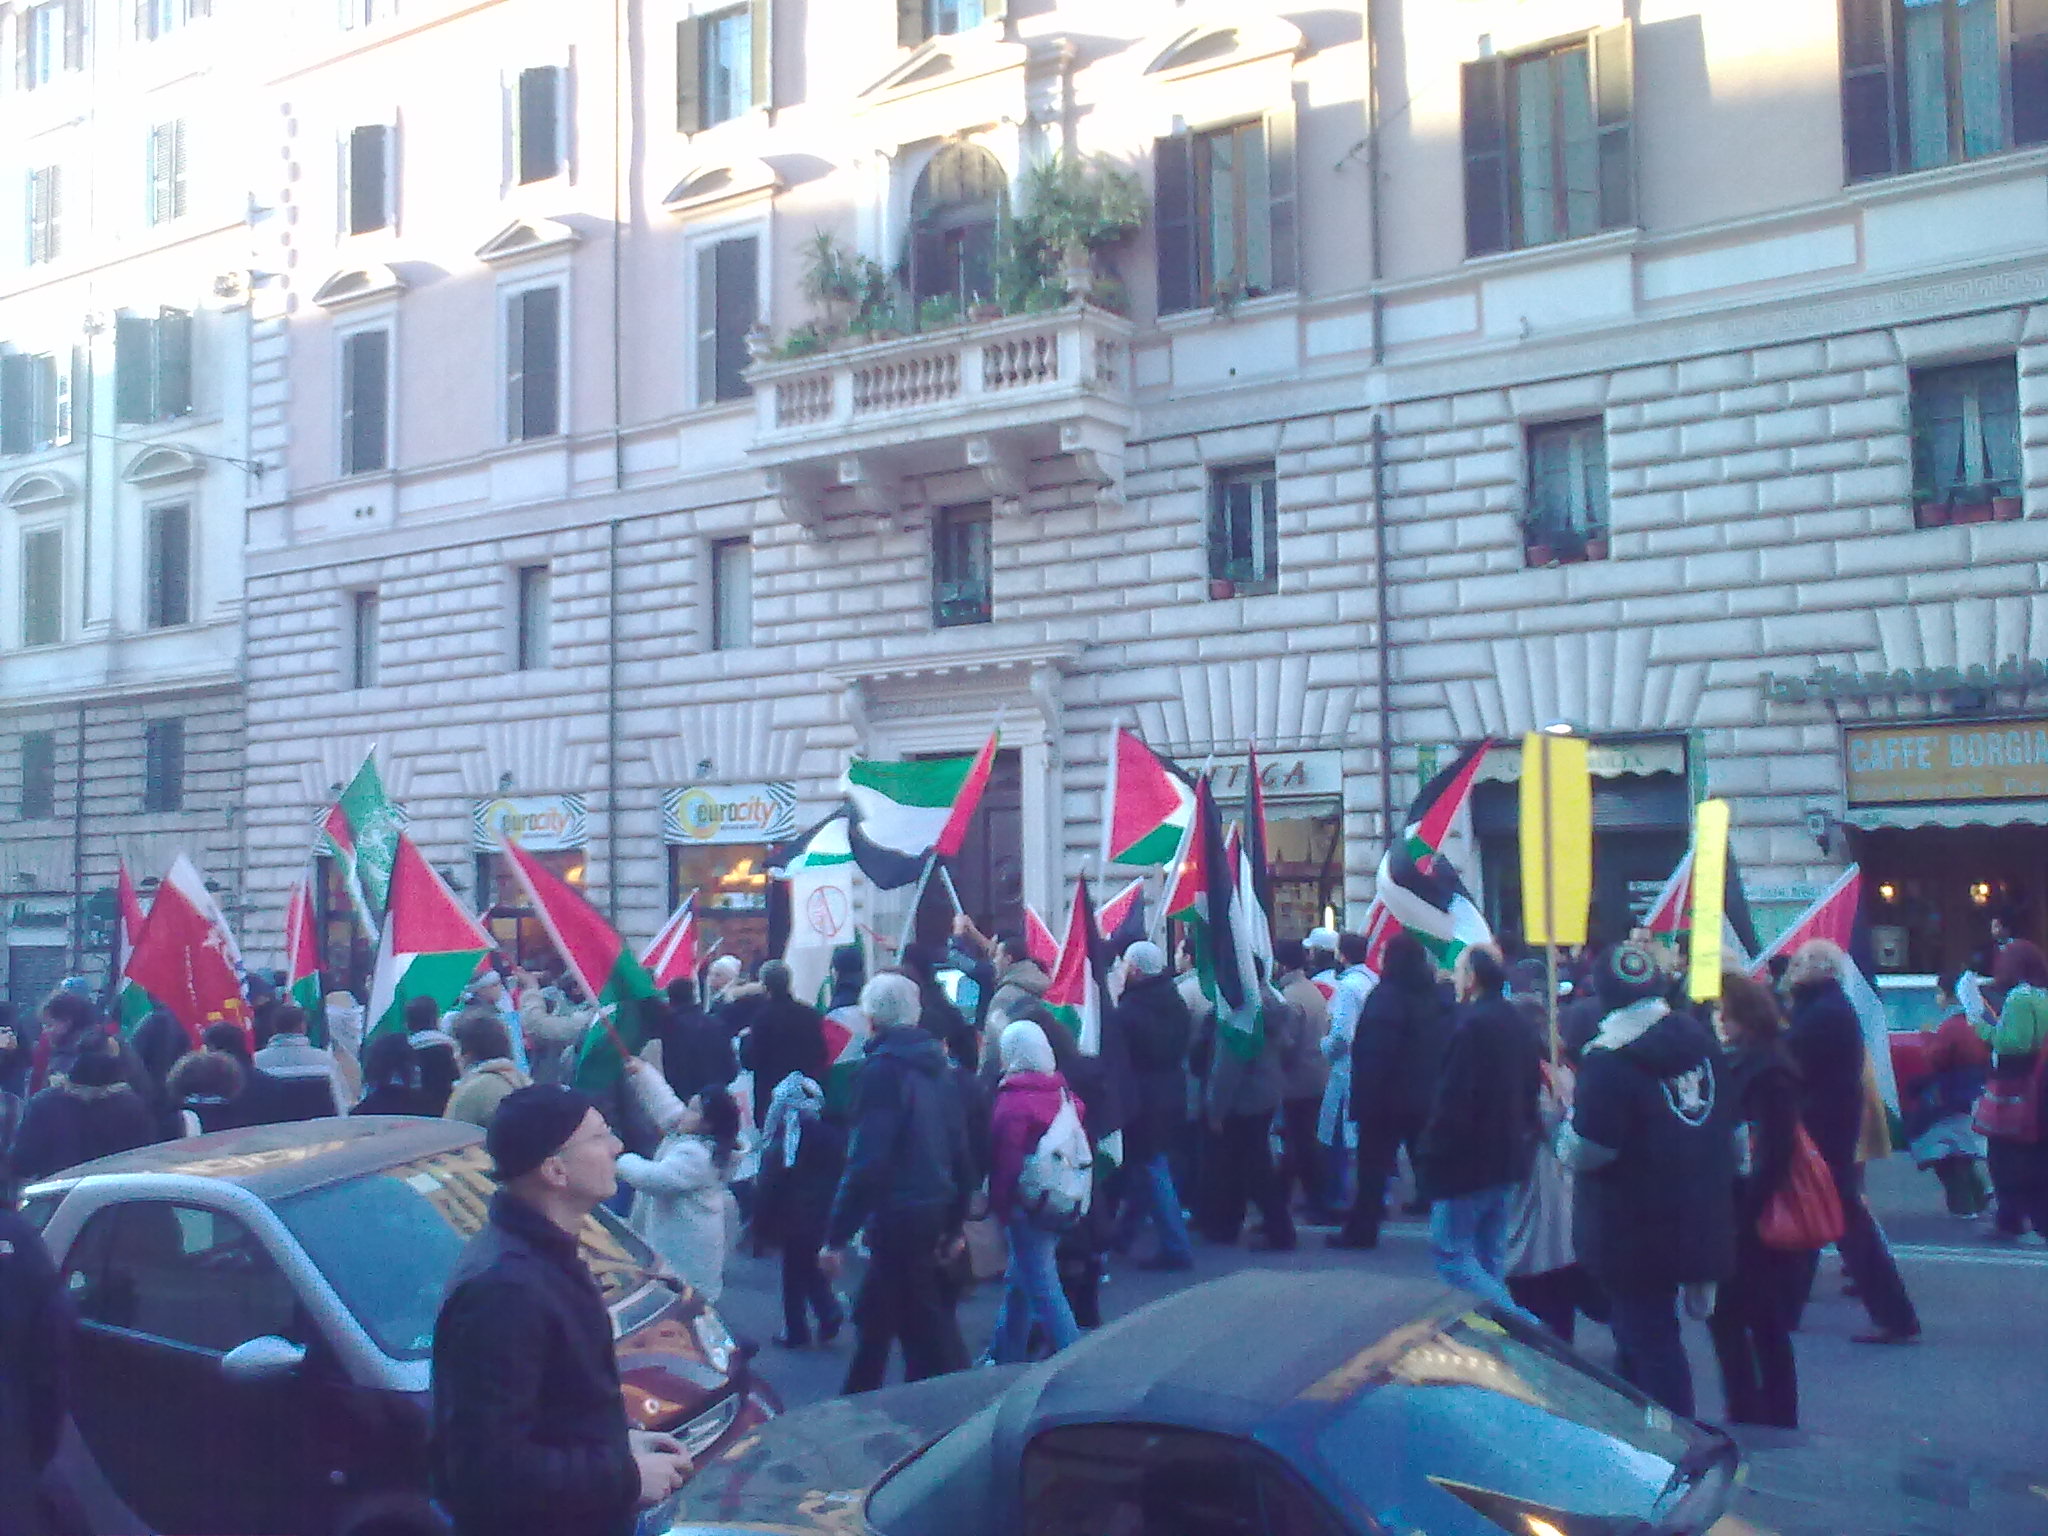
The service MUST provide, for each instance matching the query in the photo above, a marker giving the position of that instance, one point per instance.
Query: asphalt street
(1948, 1437)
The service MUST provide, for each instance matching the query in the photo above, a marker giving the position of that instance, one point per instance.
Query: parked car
(256, 1318)
(1317, 1404)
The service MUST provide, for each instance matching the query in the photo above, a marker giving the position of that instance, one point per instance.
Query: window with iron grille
(1244, 530)
(1565, 517)
(35, 401)
(537, 124)
(1966, 442)
(163, 765)
(1933, 82)
(962, 559)
(44, 215)
(38, 775)
(169, 586)
(362, 640)
(365, 402)
(533, 363)
(368, 174)
(42, 586)
(533, 597)
(732, 594)
(152, 366)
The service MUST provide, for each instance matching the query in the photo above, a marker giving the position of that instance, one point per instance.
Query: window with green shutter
(538, 124)
(365, 402)
(727, 304)
(1934, 82)
(152, 366)
(169, 585)
(1224, 212)
(163, 765)
(166, 171)
(533, 348)
(42, 586)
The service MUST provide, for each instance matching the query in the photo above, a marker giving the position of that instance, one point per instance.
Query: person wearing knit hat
(530, 1431)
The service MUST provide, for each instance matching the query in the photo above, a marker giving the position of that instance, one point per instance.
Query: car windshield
(388, 1241)
(1490, 1405)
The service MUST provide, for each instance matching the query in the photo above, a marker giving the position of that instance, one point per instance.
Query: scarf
(795, 1100)
(1628, 1024)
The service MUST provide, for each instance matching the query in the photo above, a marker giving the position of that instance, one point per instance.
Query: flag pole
(916, 901)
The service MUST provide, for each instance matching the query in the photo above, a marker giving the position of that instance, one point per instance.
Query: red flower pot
(1596, 549)
(1540, 554)
(1219, 588)
(2005, 509)
(1931, 514)
(1971, 512)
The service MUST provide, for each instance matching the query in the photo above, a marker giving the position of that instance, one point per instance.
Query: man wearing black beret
(530, 1432)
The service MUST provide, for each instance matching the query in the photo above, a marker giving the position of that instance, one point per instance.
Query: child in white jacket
(682, 1206)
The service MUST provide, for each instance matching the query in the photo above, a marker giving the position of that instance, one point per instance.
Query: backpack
(1057, 1180)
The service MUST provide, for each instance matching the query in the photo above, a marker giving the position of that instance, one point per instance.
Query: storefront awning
(1974, 813)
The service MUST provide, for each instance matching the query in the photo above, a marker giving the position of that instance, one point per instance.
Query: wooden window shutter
(170, 566)
(74, 34)
(537, 392)
(173, 363)
(1614, 90)
(134, 365)
(176, 131)
(2027, 78)
(540, 106)
(761, 24)
(1870, 115)
(368, 157)
(736, 296)
(365, 402)
(1173, 221)
(1485, 128)
(1282, 201)
(515, 366)
(707, 324)
(689, 75)
(911, 23)
(17, 402)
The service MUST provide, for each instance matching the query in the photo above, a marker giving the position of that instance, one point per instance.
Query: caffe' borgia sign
(1980, 760)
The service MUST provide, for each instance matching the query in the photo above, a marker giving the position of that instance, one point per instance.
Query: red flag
(1122, 916)
(1075, 993)
(187, 959)
(1669, 913)
(1039, 942)
(967, 801)
(1831, 917)
(302, 952)
(672, 955)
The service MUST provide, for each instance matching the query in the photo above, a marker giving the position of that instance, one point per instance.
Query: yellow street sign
(1557, 839)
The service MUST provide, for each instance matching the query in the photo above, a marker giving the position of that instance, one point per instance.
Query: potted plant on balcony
(1075, 208)
(2006, 508)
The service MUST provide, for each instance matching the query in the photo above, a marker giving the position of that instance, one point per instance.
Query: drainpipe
(78, 896)
(611, 623)
(1383, 667)
(611, 723)
(617, 253)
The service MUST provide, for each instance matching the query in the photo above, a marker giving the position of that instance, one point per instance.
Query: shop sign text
(729, 813)
(538, 823)
(1904, 682)
(1992, 759)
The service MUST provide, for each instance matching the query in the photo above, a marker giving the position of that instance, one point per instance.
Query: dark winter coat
(35, 1337)
(433, 1052)
(530, 1431)
(1762, 1089)
(392, 1099)
(1026, 1105)
(1238, 1086)
(1155, 1027)
(696, 1053)
(1483, 1124)
(1397, 1054)
(67, 1124)
(1655, 1198)
(792, 1204)
(908, 1148)
(1826, 1040)
(784, 1036)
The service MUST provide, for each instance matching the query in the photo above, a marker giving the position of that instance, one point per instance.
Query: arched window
(956, 210)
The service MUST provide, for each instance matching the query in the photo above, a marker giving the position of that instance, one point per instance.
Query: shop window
(345, 954)
(1547, 143)
(732, 594)
(1932, 82)
(732, 886)
(1244, 531)
(38, 775)
(1565, 518)
(1225, 212)
(1966, 443)
(509, 916)
(722, 65)
(169, 590)
(163, 765)
(919, 21)
(533, 596)
(961, 559)
(957, 210)
(362, 640)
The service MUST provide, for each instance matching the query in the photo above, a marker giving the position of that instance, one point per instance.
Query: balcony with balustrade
(858, 429)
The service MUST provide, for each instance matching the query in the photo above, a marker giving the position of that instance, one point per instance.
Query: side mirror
(268, 1358)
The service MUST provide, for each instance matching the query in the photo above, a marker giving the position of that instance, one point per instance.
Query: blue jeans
(1031, 1292)
(1468, 1238)
(1152, 1194)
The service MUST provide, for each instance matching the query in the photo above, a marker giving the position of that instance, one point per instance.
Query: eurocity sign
(709, 814)
(538, 823)
(1905, 682)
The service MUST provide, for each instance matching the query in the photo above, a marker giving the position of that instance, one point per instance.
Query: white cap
(1146, 958)
(1324, 939)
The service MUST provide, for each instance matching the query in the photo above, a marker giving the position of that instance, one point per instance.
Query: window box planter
(1539, 554)
(1931, 514)
(1221, 587)
(1596, 549)
(2005, 509)
(1970, 512)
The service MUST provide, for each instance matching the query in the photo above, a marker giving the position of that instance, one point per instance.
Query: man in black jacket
(1826, 1041)
(908, 1176)
(695, 1053)
(35, 1337)
(783, 1036)
(530, 1431)
(1651, 1142)
(1153, 1020)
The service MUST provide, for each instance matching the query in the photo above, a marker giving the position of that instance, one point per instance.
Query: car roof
(274, 1161)
(1210, 1357)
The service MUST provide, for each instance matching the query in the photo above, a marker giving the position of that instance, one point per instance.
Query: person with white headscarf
(1027, 1103)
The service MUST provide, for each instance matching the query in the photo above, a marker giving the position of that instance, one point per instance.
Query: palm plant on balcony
(853, 292)
(1076, 208)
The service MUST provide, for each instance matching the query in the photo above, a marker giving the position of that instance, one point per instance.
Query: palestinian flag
(1149, 804)
(132, 1002)
(186, 958)
(430, 945)
(361, 831)
(1122, 918)
(1838, 917)
(601, 964)
(1670, 914)
(904, 813)
(1039, 942)
(1417, 887)
(1207, 897)
(1075, 995)
(846, 1043)
(302, 958)
(1255, 848)
(672, 954)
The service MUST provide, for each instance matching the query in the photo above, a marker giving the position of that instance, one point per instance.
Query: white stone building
(125, 259)
(1485, 365)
